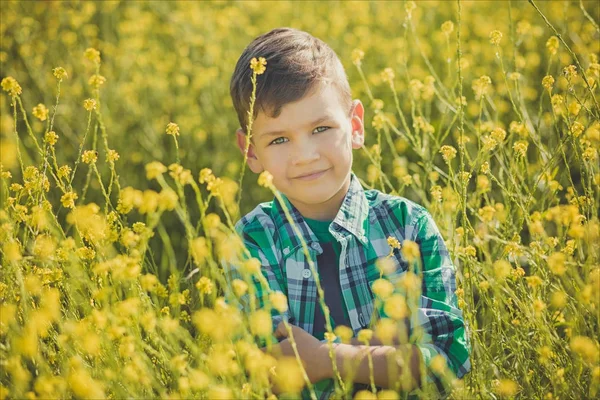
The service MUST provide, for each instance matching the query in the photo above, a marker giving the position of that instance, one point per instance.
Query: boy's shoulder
(382, 204)
(256, 221)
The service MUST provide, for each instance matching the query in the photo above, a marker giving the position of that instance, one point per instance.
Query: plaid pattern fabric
(364, 222)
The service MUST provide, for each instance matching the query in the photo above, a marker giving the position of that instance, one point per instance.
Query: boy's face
(308, 150)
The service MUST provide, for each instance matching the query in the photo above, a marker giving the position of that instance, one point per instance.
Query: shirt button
(286, 251)
(315, 245)
(306, 273)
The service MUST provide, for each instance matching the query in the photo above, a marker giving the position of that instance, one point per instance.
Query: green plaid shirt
(364, 222)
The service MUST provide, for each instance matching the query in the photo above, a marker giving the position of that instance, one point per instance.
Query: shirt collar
(351, 217)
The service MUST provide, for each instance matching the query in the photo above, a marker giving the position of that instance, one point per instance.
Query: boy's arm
(438, 316)
(352, 359)
(269, 275)
(444, 336)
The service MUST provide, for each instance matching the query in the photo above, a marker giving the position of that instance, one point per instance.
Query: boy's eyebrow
(315, 122)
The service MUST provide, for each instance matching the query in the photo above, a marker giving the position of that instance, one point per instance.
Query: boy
(306, 126)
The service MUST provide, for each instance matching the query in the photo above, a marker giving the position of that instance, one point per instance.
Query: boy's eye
(279, 140)
(318, 129)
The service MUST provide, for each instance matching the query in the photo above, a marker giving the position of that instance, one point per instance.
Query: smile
(313, 176)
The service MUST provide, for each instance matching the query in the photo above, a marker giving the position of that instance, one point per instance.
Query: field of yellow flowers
(120, 185)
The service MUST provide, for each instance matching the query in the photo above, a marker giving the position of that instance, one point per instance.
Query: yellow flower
(495, 37)
(357, 56)
(112, 155)
(448, 153)
(365, 394)
(485, 168)
(154, 169)
(149, 282)
(265, 179)
(514, 76)
(488, 143)
(534, 281)
(436, 193)
(483, 183)
(259, 65)
(172, 129)
(395, 307)
(9, 84)
(89, 156)
(438, 364)
(288, 375)
(206, 176)
(211, 222)
(447, 27)
(382, 288)
(507, 388)
(92, 54)
(410, 6)
(387, 75)
(219, 392)
(64, 171)
(278, 301)
(60, 73)
(204, 285)
(199, 250)
(502, 269)
(498, 134)
(552, 45)
(393, 242)
(44, 246)
(586, 348)
(51, 138)
(89, 104)
(589, 154)
(344, 333)
(558, 299)
(40, 112)
(386, 330)
(260, 323)
(364, 335)
(96, 81)
(251, 266)
(378, 121)
(576, 129)
(570, 71)
(239, 287)
(556, 263)
(410, 250)
(68, 199)
(548, 82)
(411, 283)
(520, 148)
(480, 86)
(167, 199)
(487, 213)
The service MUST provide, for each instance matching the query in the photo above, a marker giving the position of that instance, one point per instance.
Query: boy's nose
(305, 153)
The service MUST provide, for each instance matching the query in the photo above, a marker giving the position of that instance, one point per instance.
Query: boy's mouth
(312, 175)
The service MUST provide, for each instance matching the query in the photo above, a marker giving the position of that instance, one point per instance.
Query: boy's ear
(252, 160)
(357, 116)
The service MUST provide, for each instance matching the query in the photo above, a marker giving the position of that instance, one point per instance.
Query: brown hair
(296, 61)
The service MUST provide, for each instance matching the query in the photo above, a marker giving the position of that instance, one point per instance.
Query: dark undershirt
(329, 275)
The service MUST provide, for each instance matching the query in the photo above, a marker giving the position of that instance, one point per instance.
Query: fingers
(281, 331)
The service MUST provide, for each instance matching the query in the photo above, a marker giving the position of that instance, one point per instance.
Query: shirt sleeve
(438, 316)
(270, 270)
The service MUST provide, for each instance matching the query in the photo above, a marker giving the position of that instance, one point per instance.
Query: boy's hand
(314, 354)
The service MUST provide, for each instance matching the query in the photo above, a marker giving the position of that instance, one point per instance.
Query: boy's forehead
(322, 101)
